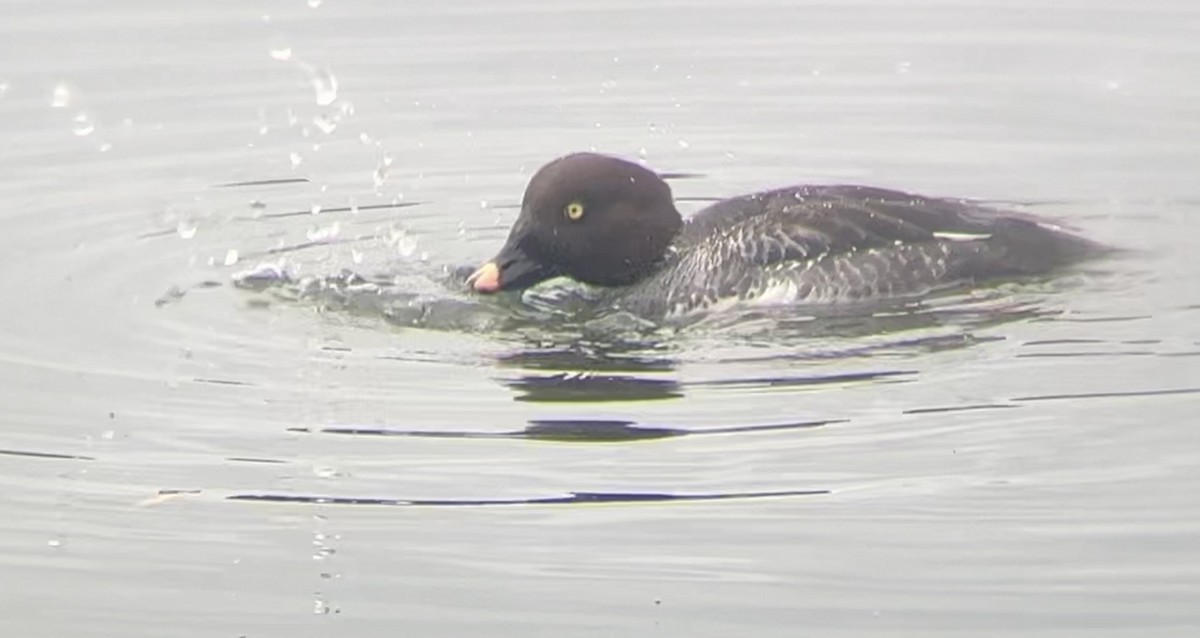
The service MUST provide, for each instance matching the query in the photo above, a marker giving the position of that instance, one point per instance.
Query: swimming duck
(609, 222)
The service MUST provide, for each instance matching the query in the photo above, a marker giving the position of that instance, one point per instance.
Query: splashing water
(324, 84)
(381, 171)
(61, 98)
(82, 126)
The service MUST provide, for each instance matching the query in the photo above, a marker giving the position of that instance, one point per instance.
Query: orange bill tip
(486, 279)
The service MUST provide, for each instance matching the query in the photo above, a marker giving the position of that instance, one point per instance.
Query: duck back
(825, 244)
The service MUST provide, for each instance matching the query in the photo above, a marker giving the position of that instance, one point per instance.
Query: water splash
(325, 123)
(82, 126)
(323, 233)
(381, 171)
(402, 240)
(61, 98)
(324, 83)
(186, 228)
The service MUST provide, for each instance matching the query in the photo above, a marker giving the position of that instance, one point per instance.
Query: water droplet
(315, 209)
(313, 4)
(82, 126)
(381, 171)
(356, 255)
(326, 472)
(186, 228)
(283, 54)
(684, 144)
(903, 67)
(325, 123)
(406, 245)
(296, 159)
(320, 608)
(264, 129)
(62, 97)
(108, 435)
(54, 542)
(324, 84)
(3, 88)
(104, 147)
(365, 139)
(231, 257)
(323, 233)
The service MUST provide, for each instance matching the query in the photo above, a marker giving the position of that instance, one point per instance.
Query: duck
(612, 223)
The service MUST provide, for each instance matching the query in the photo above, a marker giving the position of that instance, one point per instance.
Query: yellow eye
(574, 211)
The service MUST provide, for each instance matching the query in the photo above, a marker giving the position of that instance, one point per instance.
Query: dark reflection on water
(264, 182)
(573, 431)
(1108, 395)
(46, 455)
(247, 459)
(588, 387)
(594, 357)
(815, 380)
(571, 498)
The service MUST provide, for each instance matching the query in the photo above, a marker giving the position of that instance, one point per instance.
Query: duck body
(612, 223)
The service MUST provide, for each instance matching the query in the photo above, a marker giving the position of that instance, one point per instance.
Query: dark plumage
(609, 222)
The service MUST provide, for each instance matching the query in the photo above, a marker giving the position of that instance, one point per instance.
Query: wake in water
(565, 315)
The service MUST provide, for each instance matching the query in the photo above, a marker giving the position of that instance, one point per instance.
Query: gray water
(182, 456)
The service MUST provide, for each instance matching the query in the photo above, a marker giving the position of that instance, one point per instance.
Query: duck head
(598, 219)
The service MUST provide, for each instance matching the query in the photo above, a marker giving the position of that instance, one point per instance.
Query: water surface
(341, 456)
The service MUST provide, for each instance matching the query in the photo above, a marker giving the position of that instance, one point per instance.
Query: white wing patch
(951, 236)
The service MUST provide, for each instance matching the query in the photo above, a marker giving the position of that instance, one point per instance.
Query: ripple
(573, 498)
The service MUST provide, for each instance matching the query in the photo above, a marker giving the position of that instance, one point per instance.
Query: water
(346, 456)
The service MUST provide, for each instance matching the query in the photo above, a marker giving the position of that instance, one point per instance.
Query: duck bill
(512, 269)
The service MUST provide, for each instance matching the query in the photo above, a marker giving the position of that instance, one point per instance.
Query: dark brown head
(598, 219)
